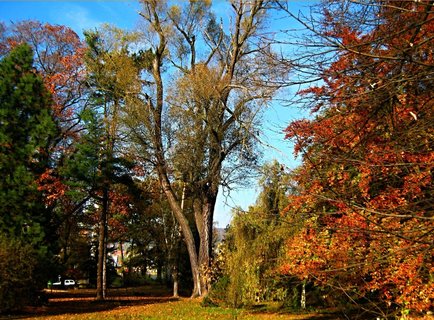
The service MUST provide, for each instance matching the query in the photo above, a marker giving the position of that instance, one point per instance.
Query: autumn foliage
(365, 198)
(92, 142)
(58, 58)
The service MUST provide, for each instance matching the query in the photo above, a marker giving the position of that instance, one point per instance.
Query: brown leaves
(52, 186)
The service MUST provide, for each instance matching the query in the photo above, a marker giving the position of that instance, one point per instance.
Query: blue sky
(78, 15)
(83, 15)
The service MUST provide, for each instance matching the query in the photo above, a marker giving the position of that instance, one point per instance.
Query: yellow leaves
(113, 67)
(202, 84)
(175, 12)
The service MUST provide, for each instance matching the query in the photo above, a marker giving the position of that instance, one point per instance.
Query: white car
(69, 283)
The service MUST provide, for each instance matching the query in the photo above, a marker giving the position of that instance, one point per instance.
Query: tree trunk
(186, 231)
(121, 247)
(176, 253)
(204, 212)
(204, 215)
(175, 278)
(100, 286)
(104, 271)
(303, 295)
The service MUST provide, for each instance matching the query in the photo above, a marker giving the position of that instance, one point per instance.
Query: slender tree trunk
(100, 290)
(303, 295)
(175, 267)
(104, 271)
(121, 247)
(99, 277)
(175, 278)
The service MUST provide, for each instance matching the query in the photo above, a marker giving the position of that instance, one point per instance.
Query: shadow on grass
(81, 301)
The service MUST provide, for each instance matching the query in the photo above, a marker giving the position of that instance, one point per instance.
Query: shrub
(17, 265)
(135, 280)
(218, 295)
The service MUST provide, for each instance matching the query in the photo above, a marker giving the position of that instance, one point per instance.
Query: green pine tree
(26, 131)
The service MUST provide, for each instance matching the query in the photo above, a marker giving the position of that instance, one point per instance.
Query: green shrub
(218, 295)
(135, 280)
(17, 266)
(117, 282)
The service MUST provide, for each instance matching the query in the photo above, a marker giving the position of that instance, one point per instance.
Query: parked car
(69, 283)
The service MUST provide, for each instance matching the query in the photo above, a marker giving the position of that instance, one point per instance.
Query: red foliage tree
(59, 59)
(366, 181)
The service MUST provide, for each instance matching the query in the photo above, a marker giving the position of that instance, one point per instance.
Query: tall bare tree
(197, 116)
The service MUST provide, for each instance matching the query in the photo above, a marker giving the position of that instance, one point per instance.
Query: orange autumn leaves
(366, 182)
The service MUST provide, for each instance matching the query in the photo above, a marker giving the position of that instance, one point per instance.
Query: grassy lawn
(143, 303)
(183, 309)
